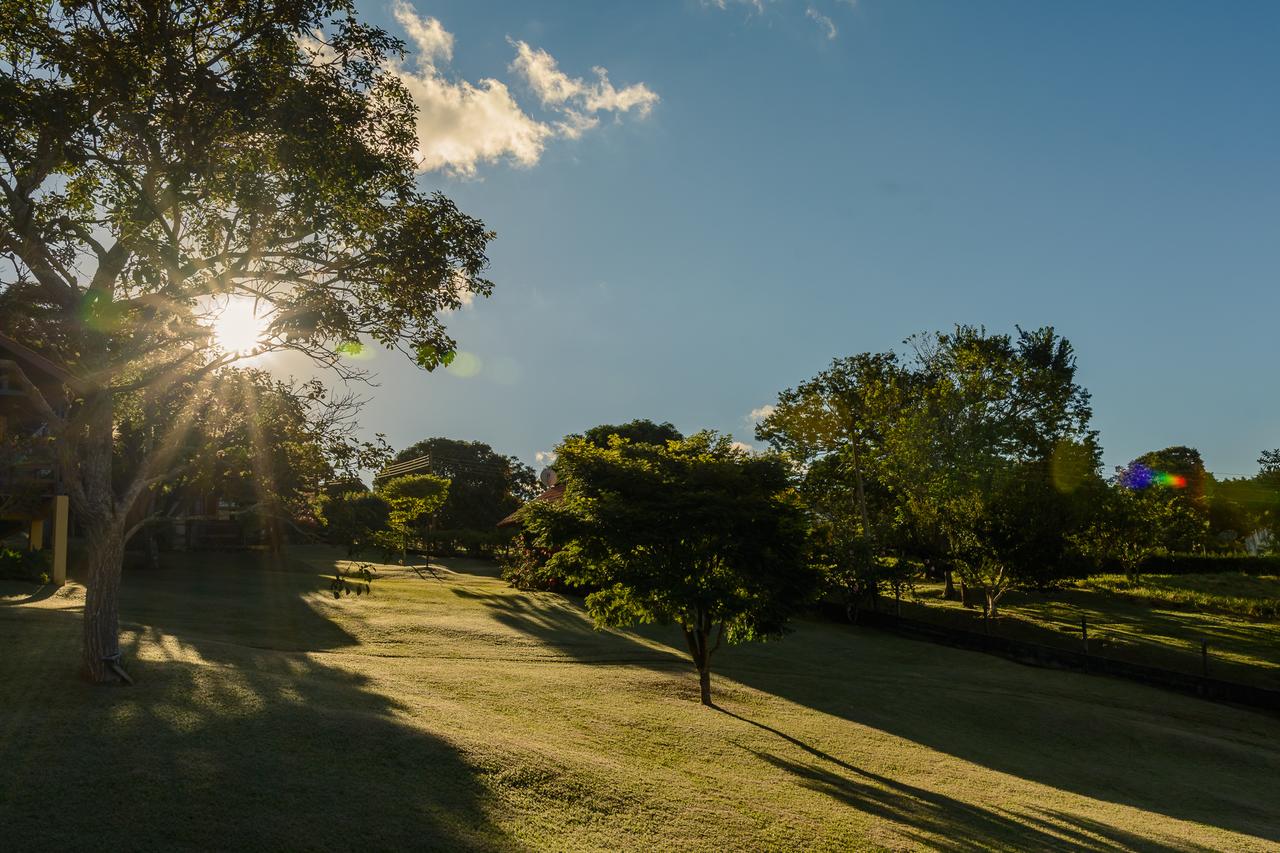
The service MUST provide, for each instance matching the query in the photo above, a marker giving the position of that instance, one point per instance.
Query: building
(553, 494)
(31, 490)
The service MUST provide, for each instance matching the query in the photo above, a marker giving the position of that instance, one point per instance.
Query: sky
(699, 204)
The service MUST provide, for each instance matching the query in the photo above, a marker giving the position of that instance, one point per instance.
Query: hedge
(1210, 564)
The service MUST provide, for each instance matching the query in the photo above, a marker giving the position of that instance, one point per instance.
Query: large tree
(925, 443)
(836, 422)
(268, 446)
(1174, 476)
(484, 486)
(159, 160)
(638, 431)
(693, 532)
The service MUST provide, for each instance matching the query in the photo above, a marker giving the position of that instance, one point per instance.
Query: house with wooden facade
(31, 491)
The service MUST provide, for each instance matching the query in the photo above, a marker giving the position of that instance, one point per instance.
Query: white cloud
(758, 5)
(463, 124)
(743, 446)
(465, 296)
(574, 96)
(546, 457)
(822, 21)
(434, 42)
(759, 413)
(813, 11)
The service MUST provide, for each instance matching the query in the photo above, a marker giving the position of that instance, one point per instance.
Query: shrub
(466, 542)
(353, 520)
(24, 565)
(524, 566)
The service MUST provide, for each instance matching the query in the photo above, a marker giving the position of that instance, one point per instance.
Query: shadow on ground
(559, 623)
(937, 821)
(231, 740)
(1104, 739)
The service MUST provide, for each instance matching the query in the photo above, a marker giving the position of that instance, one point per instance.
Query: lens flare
(1139, 476)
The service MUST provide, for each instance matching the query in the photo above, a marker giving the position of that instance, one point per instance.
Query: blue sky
(752, 194)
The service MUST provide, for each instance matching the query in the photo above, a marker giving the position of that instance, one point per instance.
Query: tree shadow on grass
(937, 821)
(1096, 737)
(225, 743)
(1109, 740)
(18, 593)
(560, 623)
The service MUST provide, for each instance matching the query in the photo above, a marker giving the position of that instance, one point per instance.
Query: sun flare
(239, 327)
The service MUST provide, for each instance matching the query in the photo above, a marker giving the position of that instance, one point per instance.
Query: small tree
(694, 532)
(1129, 526)
(412, 499)
(848, 564)
(968, 526)
(484, 486)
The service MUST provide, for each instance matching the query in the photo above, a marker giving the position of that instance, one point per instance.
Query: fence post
(1084, 632)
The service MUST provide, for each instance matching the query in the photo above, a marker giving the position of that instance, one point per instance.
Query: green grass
(463, 714)
(1228, 593)
(1139, 628)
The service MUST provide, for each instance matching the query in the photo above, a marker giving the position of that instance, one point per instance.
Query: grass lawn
(1161, 623)
(1229, 593)
(463, 714)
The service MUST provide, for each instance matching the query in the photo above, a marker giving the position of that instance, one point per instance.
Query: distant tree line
(969, 457)
(452, 505)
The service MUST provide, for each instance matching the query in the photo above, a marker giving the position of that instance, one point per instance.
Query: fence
(1197, 672)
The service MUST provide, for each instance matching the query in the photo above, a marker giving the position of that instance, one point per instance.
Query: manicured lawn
(1161, 623)
(460, 713)
(1236, 594)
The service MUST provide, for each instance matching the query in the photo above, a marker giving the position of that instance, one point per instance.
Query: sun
(239, 328)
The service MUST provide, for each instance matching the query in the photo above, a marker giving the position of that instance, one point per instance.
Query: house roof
(552, 495)
(420, 465)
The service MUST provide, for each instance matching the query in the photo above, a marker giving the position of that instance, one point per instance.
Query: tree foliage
(412, 500)
(693, 531)
(944, 455)
(639, 431)
(354, 520)
(484, 486)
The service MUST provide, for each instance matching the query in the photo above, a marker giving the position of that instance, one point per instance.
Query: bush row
(470, 543)
(1208, 564)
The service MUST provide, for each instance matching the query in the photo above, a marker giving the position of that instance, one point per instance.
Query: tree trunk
(949, 589)
(697, 637)
(105, 525)
(102, 601)
(964, 593)
(861, 493)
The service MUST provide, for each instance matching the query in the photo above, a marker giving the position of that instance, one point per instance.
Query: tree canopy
(484, 486)
(693, 532)
(412, 499)
(938, 454)
(639, 431)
